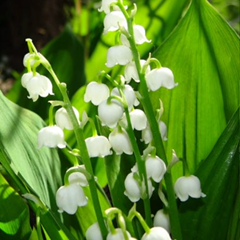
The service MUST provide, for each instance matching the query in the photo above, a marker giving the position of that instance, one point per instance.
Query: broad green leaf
(40, 168)
(213, 216)
(66, 55)
(14, 221)
(203, 52)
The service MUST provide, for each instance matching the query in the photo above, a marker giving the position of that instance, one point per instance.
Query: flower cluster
(123, 122)
(71, 196)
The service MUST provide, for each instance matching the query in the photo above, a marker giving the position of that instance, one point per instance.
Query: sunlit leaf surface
(203, 52)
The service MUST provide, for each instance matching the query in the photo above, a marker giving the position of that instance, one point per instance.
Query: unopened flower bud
(63, 120)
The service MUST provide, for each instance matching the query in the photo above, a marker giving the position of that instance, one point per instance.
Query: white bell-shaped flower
(147, 133)
(129, 94)
(37, 85)
(79, 178)
(119, 55)
(131, 72)
(134, 190)
(94, 232)
(63, 120)
(51, 136)
(160, 77)
(188, 186)
(98, 146)
(155, 168)
(31, 57)
(139, 35)
(117, 235)
(120, 141)
(70, 197)
(105, 6)
(113, 21)
(156, 233)
(96, 93)
(138, 119)
(110, 113)
(161, 219)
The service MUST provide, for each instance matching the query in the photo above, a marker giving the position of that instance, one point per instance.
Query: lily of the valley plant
(124, 120)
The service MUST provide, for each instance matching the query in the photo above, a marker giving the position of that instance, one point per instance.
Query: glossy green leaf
(66, 55)
(40, 168)
(203, 52)
(213, 216)
(14, 221)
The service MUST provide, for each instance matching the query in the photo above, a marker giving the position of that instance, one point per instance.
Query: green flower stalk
(78, 134)
(157, 139)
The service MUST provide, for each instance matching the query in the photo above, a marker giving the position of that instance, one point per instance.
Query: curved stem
(78, 131)
(84, 153)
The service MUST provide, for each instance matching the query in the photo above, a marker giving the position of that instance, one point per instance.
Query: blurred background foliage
(46, 19)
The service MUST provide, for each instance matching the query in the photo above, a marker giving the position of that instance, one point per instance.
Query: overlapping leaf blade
(213, 216)
(14, 222)
(18, 135)
(203, 52)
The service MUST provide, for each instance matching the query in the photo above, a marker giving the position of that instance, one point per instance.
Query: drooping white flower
(188, 186)
(63, 120)
(79, 178)
(156, 233)
(110, 113)
(161, 219)
(129, 94)
(37, 85)
(134, 190)
(70, 197)
(147, 133)
(160, 77)
(155, 168)
(118, 55)
(98, 146)
(139, 35)
(51, 136)
(96, 93)
(113, 21)
(131, 72)
(120, 142)
(138, 119)
(105, 6)
(117, 235)
(94, 232)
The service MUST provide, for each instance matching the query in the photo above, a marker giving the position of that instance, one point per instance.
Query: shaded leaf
(14, 221)
(219, 175)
